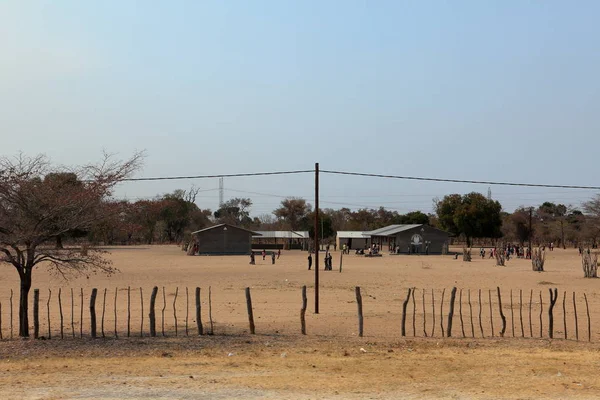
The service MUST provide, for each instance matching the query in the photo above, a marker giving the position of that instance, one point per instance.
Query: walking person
(278, 253)
(309, 261)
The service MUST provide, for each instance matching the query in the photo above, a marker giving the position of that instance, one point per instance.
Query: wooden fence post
(93, 312)
(142, 306)
(471, 314)
(424, 316)
(587, 307)
(541, 311)
(360, 311)
(128, 311)
(250, 313)
(72, 314)
(521, 312)
(81, 316)
(501, 313)
(553, 298)
(187, 309)
(103, 312)
(162, 319)
(530, 323)
(341, 260)
(11, 313)
(565, 313)
(414, 314)
(1, 337)
(451, 312)
(36, 313)
(442, 313)
(175, 309)
(404, 307)
(303, 310)
(462, 325)
(48, 312)
(512, 314)
(480, 320)
(61, 314)
(432, 313)
(198, 313)
(491, 312)
(212, 328)
(576, 322)
(152, 314)
(116, 333)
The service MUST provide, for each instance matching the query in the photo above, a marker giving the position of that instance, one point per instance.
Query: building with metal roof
(353, 239)
(222, 239)
(281, 240)
(411, 239)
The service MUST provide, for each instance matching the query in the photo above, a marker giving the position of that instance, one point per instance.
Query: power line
(172, 178)
(414, 178)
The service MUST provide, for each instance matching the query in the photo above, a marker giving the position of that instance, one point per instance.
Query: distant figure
(272, 257)
(309, 261)
(551, 246)
(278, 253)
(334, 246)
(252, 261)
(482, 252)
(264, 254)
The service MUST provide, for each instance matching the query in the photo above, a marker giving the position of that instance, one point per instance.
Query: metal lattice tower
(489, 193)
(221, 191)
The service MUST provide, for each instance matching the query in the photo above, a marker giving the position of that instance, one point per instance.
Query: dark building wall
(438, 240)
(220, 241)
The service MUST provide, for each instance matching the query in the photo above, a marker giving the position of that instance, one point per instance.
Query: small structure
(222, 239)
(411, 239)
(286, 240)
(353, 239)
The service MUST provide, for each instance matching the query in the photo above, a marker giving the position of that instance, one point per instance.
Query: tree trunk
(59, 243)
(24, 303)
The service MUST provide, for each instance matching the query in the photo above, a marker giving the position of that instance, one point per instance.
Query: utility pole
(530, 231)
(316, 238)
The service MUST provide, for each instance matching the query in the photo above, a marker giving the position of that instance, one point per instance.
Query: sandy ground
(278, 362)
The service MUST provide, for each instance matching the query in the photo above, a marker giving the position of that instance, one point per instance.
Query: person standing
(309, 261)
(264, 254)
(278, 253)
(273, 257)
(252, 262)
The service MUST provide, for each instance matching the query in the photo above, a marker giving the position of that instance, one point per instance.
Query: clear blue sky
(504, 90)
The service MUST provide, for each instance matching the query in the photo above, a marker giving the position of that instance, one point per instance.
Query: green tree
(235, 212)
(414, 217)
(472, 215)
(293, 211)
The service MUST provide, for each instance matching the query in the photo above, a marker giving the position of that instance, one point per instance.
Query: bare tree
(35, 211)
(589, 262)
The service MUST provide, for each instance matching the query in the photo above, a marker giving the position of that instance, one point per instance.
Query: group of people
(264, 256)
(328, 261)
(508, 251)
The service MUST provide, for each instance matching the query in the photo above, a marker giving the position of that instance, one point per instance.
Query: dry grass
(328, 363)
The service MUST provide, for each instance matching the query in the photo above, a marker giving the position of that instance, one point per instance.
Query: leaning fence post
(360, 310)
(442, 313)
(128, 310)
(404, 306)
(152, 315)
(81, 316)
(451, 311)
(501, 313)
(341, 260)
(471, 314)
(175, 309)
(72, 315)
(462, 325)
(198, 313)
(424, 316)
(587, 307)
(249, 308)
(187, 309)
(414, 315)
(162, 319)
(303, 310)
(480, 320)
(36, 313)
(93, 312)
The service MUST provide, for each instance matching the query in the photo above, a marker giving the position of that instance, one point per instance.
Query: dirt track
(278, 362)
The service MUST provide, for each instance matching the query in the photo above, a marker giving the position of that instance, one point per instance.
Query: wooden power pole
(316, 233)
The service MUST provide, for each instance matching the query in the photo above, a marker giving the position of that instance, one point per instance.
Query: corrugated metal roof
(283, 234)
(352, 235)
(392, 229)
(226, 225)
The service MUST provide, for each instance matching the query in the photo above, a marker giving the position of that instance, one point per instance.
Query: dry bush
(500, 256)
(589, 262)
(466, 254)
(538, 258)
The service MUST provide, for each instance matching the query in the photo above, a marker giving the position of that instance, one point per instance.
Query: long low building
(286, 240)
(222, 239)
(400, 239)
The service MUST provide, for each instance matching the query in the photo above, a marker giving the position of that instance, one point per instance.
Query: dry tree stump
(466, 254)
(538, 258)
(589, 262)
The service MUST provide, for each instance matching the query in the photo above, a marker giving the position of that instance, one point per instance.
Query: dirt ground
(331, 361)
